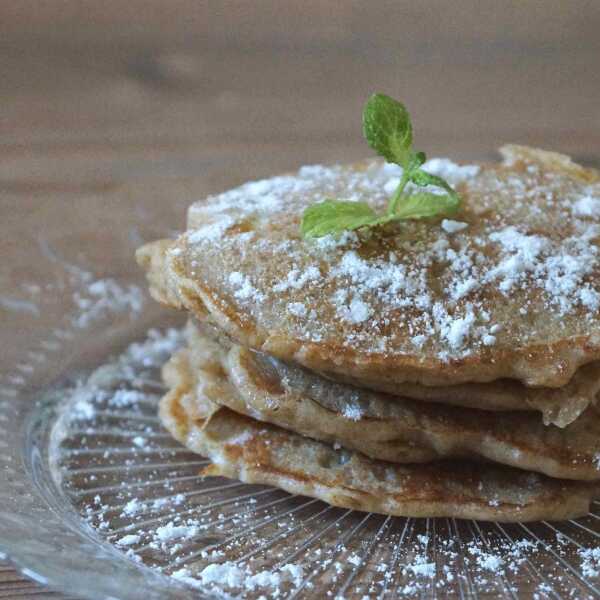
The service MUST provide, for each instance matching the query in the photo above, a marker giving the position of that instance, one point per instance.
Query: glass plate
(97, 500)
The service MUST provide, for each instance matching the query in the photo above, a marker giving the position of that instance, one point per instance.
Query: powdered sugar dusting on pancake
(517, 266)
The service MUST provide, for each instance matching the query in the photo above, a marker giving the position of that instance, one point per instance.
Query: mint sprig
(388, 130)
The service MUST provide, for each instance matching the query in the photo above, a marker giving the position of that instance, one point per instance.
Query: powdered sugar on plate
(231, 576)
(590, 561)
(248, 541)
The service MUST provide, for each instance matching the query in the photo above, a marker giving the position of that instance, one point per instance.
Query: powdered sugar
(212, 231)
(455, 330)
(560, 271)
(257, 198)
(486, 560)
(100, 298)
(528, 247)
(587, 206)
(352, 412)
(297, 309)
(139, 441)
(244, 290)
(488, 340)
(529, 235)
(450, 226)
(423, 569)
(590, 561)
(297, 280)
(231, 576)
(83, 407)
(450, 171)
(128, 540)
(170, 531)
(219, 536)
(132, 507)
(357, 312)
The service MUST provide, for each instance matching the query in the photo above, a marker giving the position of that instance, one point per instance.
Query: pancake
(380, 427)
(559, 406)
(241, 447)
(510, 289)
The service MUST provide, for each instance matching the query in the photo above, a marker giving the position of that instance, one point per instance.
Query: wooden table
(95, 95)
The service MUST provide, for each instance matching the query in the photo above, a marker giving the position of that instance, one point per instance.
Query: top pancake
(510, 291)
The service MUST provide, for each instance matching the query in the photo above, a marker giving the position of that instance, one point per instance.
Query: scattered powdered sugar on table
(94, 298)
(102, 297)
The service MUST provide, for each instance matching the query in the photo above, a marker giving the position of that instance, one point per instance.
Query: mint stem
(398, 193)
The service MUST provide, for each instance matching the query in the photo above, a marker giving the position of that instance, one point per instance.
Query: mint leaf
(416, 160)
(387, 129)
(335, 216)
(422, 178)
(420, 205)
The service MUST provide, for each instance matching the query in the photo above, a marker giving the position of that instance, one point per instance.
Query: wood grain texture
(13, 585)
(95, 95)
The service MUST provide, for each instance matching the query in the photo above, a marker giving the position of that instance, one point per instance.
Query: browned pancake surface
(392, 429)
(511, 291)
(243, 448)
(559, 406)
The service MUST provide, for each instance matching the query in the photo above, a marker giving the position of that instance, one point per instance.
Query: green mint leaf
(421, 205)
(335, 216)
(416, 160)
(422, 178)
(387, 129)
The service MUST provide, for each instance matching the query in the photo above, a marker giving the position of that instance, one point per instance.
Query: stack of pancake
(426, 368)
